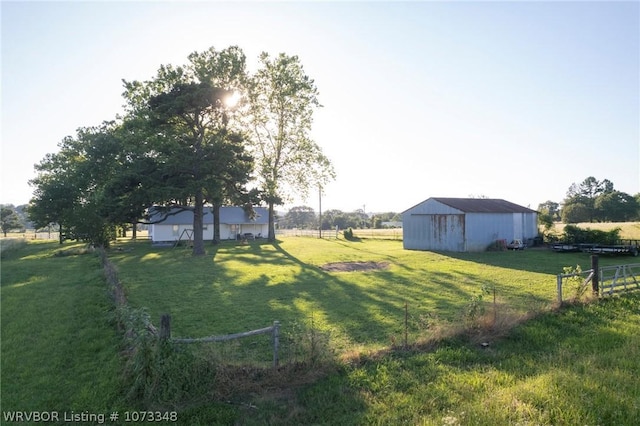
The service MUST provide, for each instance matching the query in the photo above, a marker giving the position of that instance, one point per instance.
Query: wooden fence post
(406, 325)
(559, 290)
(596, 275)
(276, 342)
(165, 327)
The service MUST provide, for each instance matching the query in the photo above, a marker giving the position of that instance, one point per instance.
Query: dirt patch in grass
(354, 266)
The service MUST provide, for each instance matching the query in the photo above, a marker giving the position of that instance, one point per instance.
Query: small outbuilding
(466, 224)
(234, 222)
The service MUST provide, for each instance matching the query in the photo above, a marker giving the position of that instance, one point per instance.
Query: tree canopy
(282, 101)
(597, 201)
(9, 219)
(186, 140)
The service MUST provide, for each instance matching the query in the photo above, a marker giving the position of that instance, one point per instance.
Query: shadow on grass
(362, 308)
(540, 260)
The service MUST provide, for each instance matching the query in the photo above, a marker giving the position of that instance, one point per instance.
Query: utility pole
(320, 210)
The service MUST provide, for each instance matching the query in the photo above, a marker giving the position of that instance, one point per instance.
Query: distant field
(628, 230)
(386, 234)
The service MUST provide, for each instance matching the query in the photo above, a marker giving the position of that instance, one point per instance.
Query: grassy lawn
(579, 367)
(242, 287)
(59, 351)
(538, 374)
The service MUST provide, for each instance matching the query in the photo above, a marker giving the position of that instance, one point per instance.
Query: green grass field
(60, 350)
(243, 287)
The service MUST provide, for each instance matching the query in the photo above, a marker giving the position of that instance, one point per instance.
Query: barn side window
(176, 230)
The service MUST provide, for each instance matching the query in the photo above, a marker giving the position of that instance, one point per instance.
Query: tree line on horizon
(586, 202)
(204, 133)
(591, 201)
(305, 217)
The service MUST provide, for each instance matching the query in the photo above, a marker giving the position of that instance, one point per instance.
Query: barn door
(518, 224)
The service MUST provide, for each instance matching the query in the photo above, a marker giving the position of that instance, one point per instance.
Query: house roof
(237, 215)
(228, 215)
(483, 205)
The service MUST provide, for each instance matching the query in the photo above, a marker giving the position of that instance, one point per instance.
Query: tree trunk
(216, 223)
(134, 231)
(198, 241)
(272, 229)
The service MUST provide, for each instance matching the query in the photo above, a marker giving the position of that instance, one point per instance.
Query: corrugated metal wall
(432, 225)
(485, 228)
(434, 232)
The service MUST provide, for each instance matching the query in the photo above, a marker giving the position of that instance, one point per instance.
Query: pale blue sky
(513, 100)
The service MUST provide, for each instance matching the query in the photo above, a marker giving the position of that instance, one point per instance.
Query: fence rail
(385, 234)
(616, 277)
(274, 330)
(605, 280)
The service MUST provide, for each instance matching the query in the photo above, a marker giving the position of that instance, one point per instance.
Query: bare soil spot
(354, 266)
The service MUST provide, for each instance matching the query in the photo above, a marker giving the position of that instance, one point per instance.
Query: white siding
(164, 232)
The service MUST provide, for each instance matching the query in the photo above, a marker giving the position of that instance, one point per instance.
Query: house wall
(164, 232)
(230, 232)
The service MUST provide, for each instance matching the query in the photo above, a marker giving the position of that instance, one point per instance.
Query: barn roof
(228, 215)
(483, 205)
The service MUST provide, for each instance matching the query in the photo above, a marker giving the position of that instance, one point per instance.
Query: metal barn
(466, 224)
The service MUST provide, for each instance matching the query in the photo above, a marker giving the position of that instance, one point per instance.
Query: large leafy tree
(594, 200)
(302, 217)
(9, 219)
(548, 212)
(69, 185)
(616, 206)
(282, 101)
(191, 133)
(579, 203)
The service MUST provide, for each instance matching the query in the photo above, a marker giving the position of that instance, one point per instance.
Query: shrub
(576, 235)
(576, 284)
(348, 233)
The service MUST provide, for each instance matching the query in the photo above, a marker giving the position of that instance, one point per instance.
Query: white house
(234, 221)
(466, 224)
